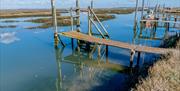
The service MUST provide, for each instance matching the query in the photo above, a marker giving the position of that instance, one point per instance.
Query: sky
(45, 4)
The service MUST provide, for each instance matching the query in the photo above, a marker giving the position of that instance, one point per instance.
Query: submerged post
(54, 20)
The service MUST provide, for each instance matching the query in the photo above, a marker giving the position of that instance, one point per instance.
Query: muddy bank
(164, 73)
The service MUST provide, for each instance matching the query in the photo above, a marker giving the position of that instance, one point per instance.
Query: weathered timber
(137, 48)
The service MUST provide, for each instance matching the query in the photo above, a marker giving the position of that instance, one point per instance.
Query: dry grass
(163, 75)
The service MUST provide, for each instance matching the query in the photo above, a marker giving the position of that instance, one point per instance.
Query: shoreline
(18, 13)
(156, 75)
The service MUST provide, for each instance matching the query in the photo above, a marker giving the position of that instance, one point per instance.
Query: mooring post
(132, 57)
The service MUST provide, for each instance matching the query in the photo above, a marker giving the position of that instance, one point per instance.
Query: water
(29, 61)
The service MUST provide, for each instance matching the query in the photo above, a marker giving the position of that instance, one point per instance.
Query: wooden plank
(80, 36)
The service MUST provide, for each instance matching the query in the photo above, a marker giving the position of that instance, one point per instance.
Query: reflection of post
(107, 60)
(58, 60)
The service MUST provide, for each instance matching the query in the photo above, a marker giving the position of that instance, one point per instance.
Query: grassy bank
(164, 74)
(8, 26)
(62, 21)
(114, 11)
(47, 12)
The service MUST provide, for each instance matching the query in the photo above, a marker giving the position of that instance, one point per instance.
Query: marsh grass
(164, 75)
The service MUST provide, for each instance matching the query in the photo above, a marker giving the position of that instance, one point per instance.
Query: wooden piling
(107, 49)
(138, 58)
(132, 53)
(54, 20)
(78, 14)
(72, 27)
(135, 17)
(89, 22)
(142, 12)
(99, 50)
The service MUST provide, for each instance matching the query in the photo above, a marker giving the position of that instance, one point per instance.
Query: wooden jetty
(137, 48)
(177, 22)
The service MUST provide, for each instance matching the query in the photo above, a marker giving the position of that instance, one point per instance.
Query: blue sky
(32, 4)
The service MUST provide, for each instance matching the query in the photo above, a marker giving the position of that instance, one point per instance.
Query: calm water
(29, 61)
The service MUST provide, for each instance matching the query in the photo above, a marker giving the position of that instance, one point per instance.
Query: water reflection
(88, 69)
(8, 37)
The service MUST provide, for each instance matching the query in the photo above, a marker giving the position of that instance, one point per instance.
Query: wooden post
(78, 15)
(56, 39)
(92, 4)
(132, 57)
(135, 17)
(142, 12)
(72, 28)
(89, 23)
(138, 58)
(99, 50)
(107, 61)
(78, 23)
(54, 20)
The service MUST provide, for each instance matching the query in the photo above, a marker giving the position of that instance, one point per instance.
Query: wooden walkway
(164, 21)
(137, 48)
